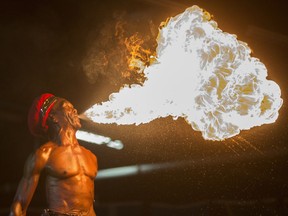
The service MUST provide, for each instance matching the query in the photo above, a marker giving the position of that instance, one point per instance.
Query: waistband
(48, 212)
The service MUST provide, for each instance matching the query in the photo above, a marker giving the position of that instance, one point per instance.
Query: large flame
(199, 73)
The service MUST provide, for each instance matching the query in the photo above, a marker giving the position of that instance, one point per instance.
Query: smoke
(111, 47)
(199, 73)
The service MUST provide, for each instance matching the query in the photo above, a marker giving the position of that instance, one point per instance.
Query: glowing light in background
(98, 139)
(202, 74)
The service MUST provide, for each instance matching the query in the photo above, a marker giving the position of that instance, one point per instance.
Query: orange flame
(138, 58)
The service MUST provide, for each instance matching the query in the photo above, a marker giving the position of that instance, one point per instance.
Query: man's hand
(16, 210)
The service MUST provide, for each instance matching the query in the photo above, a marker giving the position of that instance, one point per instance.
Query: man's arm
(26, 188)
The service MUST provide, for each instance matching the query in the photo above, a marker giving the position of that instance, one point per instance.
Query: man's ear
(53, 118)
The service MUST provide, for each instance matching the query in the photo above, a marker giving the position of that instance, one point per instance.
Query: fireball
(201, 74)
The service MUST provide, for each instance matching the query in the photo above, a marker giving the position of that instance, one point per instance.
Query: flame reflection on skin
(199, 73)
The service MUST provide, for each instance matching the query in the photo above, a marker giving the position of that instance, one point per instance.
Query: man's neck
(67, 136)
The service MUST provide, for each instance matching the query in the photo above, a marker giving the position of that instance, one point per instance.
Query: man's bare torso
(71, 170)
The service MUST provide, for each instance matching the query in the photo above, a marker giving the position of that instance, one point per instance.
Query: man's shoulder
(45, 149)
(87, 151)
(47, 146)
(38, 159)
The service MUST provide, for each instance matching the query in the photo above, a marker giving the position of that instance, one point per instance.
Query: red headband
(39, 112)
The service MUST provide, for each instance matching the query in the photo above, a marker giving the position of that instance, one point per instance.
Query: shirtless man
(71, 169)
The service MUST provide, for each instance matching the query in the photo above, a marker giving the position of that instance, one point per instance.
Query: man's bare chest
(65, 162)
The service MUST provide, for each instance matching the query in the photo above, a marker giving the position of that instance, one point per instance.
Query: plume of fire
(199, 73)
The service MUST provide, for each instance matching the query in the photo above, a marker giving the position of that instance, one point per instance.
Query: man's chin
(78, 126)
(75, 123)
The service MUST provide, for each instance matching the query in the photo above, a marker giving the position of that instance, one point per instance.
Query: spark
(243, 140)
(232, 148)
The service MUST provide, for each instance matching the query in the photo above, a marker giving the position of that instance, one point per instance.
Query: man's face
(66, 113)
(71, 114)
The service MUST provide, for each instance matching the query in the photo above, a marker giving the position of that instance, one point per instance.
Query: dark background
(46, 46)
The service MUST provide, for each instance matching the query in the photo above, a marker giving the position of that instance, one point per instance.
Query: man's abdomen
(70, 195)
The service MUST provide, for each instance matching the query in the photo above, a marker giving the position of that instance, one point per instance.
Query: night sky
(51, 46)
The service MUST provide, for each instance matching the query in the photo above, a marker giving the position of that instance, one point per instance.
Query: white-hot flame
(202, 74)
